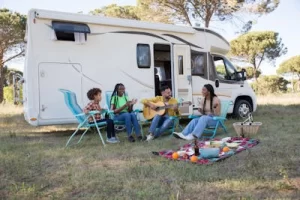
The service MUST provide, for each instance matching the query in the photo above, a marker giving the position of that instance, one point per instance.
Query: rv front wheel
(242, 108)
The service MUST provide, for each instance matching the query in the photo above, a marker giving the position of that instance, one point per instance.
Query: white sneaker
(150, 137)
(111, 140)
(116, 139)
(178, 135)
(189, 137)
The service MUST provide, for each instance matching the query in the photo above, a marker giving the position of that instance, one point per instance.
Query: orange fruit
(175, 156)
(226, 149)
(194, 159)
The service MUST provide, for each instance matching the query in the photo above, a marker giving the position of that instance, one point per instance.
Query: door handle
(43, 108)
(42, 74)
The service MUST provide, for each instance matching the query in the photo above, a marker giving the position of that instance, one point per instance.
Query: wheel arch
(244, 97)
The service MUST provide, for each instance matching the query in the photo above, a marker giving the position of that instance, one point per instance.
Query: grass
(35, 165)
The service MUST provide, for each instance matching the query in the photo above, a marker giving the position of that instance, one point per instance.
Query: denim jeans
(110, 127)
(162, 123)
(130, 120)
(197, 126)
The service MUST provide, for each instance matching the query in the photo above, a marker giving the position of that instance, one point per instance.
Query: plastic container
(209, 152)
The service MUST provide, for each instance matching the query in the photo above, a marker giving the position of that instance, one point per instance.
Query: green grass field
(35, 165)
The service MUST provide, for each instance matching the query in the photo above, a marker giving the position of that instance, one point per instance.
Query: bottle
(196, 148)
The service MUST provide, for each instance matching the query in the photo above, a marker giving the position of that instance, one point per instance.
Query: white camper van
(78, 52)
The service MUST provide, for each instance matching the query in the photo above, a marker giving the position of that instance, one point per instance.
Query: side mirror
(244, 74)
(217, 83)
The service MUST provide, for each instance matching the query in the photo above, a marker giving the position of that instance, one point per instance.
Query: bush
(269, 85)
(8, 94)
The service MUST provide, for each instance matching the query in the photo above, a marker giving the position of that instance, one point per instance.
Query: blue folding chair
(122, 123)
(175, 124)
(82, 118)
(212, 130)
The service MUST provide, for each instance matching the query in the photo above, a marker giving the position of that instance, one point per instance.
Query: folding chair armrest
(93, 112)
(110, 112)
(138, 110)
(173, 117)
(194, 116)
(219, 118)
(81, 114)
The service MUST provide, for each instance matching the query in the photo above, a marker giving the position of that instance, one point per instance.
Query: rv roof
(75, 17)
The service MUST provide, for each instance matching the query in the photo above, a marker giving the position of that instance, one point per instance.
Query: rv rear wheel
(242, 108)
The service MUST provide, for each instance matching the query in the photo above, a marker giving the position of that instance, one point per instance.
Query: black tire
(242, 108)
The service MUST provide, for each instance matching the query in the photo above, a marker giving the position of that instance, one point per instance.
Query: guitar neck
(168, 106)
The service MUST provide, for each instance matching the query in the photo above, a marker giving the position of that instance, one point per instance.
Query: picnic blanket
(242, 144)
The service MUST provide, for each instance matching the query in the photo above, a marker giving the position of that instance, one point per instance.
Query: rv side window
(198, 64)
(67, 31)
(180, 65)
(143, 56)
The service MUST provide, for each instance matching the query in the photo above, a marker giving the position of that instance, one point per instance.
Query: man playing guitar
(161, 123)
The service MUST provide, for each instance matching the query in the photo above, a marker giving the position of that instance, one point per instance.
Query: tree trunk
(293, 89)
(207, 23)
(1, 76)
(254, 73)
(1, 82)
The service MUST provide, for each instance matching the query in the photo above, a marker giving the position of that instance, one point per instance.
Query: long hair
(115, 94)
(211, 90)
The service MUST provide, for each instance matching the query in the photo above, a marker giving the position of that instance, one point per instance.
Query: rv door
(182, 76)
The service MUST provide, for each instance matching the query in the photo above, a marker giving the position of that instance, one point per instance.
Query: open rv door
(182, 76)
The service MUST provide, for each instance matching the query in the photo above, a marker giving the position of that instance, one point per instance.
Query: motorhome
(79, 52)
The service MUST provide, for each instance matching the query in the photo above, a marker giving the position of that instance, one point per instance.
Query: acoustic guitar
(160, 109)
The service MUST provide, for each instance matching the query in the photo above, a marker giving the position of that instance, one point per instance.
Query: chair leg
(181, 128)
(142, 132)
(83, 135)
(98, 130)
(79, 126)
(175, 124)
(216, 129)
(224, 127)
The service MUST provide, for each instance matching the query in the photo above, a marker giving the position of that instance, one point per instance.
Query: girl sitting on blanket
(94, 95)
(123, 111)
(209, 107)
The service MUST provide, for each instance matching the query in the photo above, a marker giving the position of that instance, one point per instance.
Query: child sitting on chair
(95, 96)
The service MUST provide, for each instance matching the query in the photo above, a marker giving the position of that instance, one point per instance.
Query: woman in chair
(123, 111)
(209, 107)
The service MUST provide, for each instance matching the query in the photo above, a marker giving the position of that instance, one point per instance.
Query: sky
(284, 20)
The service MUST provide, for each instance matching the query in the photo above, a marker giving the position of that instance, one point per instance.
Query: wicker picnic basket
(247, 128)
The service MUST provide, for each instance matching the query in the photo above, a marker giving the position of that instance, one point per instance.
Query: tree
(12, 32)
(208, 10)
(292, 66)
(143, 11)
(250, 72)
(270, 84)
(8, 77)
(153, 13)
(113, 10)
(256, 47)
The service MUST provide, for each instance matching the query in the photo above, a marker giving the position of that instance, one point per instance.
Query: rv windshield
(225, 69)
